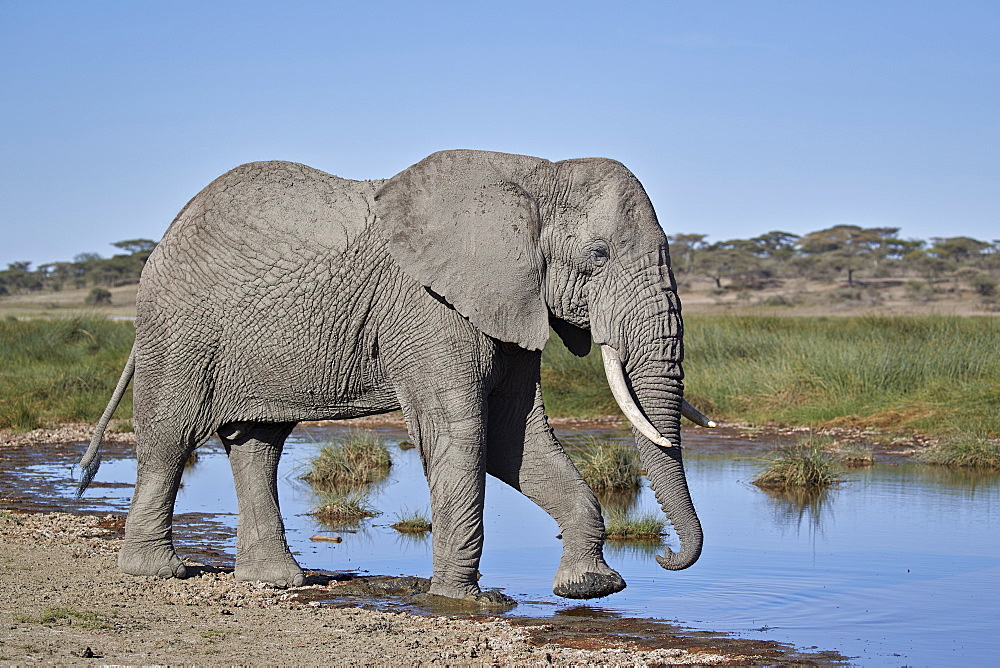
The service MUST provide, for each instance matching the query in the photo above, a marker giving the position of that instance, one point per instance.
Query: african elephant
(281, 293)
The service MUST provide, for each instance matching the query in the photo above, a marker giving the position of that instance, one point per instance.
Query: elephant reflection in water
(281, 293)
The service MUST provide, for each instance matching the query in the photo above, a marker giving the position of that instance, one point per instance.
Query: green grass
(623, 525)
(964, 451)
(802, 465)
(938, 374)
(61, 370)
(931, 373)
(359, 459)
(340, 509)
(607, 466)
(575, 386)
(412, 521)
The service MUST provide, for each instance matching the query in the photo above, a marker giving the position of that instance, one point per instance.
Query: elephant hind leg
(523, 452)
(148, 548)
(262, 554)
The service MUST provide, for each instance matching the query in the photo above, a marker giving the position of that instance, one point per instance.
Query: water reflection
(794, 506)
(965, 479)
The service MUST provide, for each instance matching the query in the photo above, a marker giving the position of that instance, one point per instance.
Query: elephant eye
(598, 253)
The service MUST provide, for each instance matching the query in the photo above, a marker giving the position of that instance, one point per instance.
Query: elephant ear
(462, 224)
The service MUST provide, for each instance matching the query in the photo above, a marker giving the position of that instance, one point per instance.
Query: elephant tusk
(619, 388)
(695, 415)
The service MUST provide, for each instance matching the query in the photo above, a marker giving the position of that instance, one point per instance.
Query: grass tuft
(340, 509)
(802, 465)
(622, 525)
(412, 521)
(964, 451)
(607, 466)
(359, 459)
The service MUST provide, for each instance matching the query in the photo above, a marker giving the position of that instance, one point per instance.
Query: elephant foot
(281, 572)
(159, 561)
(482, 600)
(593, 580)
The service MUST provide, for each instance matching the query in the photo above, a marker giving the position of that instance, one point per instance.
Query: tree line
(86, 270)
(847, 253)
(843, 253)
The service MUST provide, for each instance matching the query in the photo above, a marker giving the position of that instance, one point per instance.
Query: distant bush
(98, 297)
(983, 285)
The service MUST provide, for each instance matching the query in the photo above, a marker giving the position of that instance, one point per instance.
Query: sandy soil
(63, 601)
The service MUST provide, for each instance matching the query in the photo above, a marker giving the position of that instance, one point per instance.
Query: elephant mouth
(615, 372)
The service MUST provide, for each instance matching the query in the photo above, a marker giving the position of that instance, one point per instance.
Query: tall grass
(62, 370)
(359, 459)
(607, 466)
(800, 465)
(933, 373)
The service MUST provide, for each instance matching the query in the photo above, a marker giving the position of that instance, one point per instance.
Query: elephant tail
(92, 458)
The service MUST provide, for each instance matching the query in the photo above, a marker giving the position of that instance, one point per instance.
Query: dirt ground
(63, 601)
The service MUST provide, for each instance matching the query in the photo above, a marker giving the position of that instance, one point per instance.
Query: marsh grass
(358, 459)
(412, 521)
(621, 525)
(607, 466)
(804, 465)
(340, 509)
(964, 451)
(61, 370)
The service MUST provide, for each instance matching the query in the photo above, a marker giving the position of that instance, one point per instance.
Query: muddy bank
(66, 602)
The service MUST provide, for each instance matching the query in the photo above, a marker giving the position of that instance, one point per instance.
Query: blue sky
(739, 117)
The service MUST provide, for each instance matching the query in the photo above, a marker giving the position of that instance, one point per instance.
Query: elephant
(281, 294)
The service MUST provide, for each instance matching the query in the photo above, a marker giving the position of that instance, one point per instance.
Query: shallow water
(900, 565)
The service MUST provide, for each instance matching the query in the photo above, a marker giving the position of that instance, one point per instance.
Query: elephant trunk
(650, 392)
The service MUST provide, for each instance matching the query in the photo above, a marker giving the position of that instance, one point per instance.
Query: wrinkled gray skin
(281, 293)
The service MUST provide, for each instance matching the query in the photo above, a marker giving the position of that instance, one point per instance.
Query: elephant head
(516, 243)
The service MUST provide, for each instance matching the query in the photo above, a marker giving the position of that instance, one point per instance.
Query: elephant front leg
(524, 453)
(452, 456)
(262, 554)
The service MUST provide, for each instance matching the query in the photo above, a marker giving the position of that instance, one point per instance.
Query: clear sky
(739, 117)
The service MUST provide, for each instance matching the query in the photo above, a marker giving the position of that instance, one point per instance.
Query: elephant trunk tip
(678, 561)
